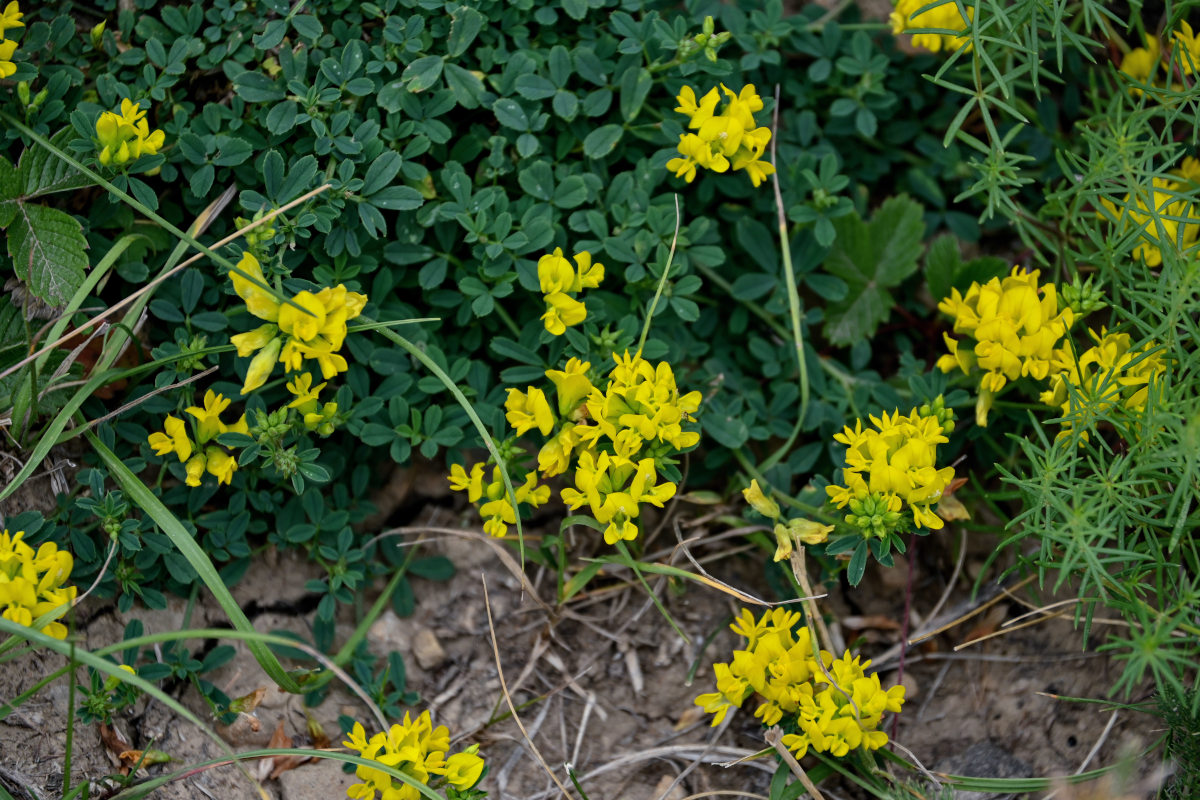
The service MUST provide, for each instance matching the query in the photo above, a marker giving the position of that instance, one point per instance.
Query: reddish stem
(908, 592)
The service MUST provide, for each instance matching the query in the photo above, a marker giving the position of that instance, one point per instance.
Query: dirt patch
(601, 685)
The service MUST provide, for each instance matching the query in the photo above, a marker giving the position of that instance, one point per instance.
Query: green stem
(507, 319)
(783, 497)
(754, 308)
(662, 281)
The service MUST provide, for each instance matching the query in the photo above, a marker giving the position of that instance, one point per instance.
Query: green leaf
(10, 188)
(254, 87)
(47, 248)
(571, 192)
(510, 114)
(941, 264)
(537, 180)
(601, 141)
(535, 87)
(41, 172)
(635, 86)
(434, 568)
(422, 73)
(308, 26)
(858, 564)
(465, 24)
(382, 172)
(871, 258)
(466, 86)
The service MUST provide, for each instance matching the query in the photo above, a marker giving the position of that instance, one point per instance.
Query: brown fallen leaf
(275, 766)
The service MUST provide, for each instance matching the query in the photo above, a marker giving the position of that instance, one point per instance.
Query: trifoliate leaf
(872, 258)
(47, 249)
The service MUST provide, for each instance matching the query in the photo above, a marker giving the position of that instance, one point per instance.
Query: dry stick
(712, 742)
(1004, 631)
(774, 737)
(1000, 596)
(154, 283)
(487, 603)
(726, 793)
(138, 401)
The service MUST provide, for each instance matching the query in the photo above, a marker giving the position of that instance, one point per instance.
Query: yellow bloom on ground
(1110, 374)
(32, 583)
(497, 510)
(892, 465)
(559, 282)
(947, 16)
(1160, 228)
(1016, 325)
(174, 440)
(614, 493)
(722, 141)
(415, 748)
(207, 426)
(1187, 48)
(835, 705)
(310, 327)
(529, 409)
(125, 136)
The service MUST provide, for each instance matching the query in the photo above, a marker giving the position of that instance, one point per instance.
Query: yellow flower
(1016, 326)
(1187, 48)
(888, 466)
(7, 49)
(306, 395)
(529, 409)
(760, 502)
(298, 324)
(722, 141)
(208, 418)
(195, 469)
(572, 386)
(947, 16)
(614, 493)
(11, 18)
(1142, 64)
(322, 421)
(555, 455)
(562, 311)
(220, 464)
(472, 484)
(833, 704)
(32, 583)
(559, 282)
(1160, 227)
(175, 440)
(415, 748)
(126, 136)
(258, 300)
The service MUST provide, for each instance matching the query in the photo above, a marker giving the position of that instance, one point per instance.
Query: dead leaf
(249, 702)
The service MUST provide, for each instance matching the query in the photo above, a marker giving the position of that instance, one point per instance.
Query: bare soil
(603, 685)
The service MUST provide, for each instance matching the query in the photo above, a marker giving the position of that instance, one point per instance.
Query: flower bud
(98, 34)
(783, 541)
(23, 92)
(760, 502)
(808, 532)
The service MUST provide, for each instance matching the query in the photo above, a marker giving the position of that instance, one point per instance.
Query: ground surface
(602, 684)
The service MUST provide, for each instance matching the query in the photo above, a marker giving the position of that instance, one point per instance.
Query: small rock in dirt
(389, 632)
(428, 650)
(985, 760)
(677, 793)
(912, 689)
(319, 780)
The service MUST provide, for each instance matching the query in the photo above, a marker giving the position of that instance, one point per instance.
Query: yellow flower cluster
(416, 749)
(311, 327)
(946, 16)
(317, 417)
(832, 704)
(560, 282)
(616, 438)
(11, 18)
(1108, 374)
(1174, 222)
(497, 511)
(1144, 64)
(31, 583)
(729, 140)
(893, 465)
(126, 136)
(1016, 326)
(207, 426)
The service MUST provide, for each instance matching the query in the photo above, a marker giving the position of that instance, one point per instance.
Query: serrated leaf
(10, 188)
(41, 172)
(48, 252)
(941, 263)
(871, 258)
